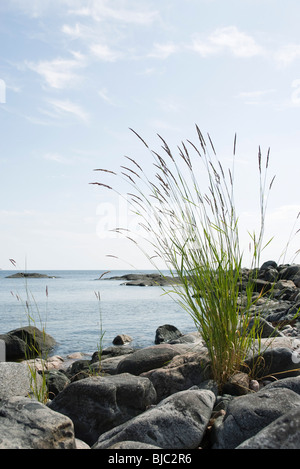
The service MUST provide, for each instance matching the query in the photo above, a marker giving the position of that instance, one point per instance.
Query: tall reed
(186, 207)
(33, 348)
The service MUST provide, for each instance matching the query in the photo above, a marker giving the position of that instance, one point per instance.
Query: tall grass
(33, 350)
(187, 211)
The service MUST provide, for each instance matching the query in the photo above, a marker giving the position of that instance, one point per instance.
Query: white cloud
(104, 94)
(163, 51)
(255, 97)
(66, 107)
(288, 54)
(105, 53)
(229, 38)
(59, 73)
(55, 157)
(125, 12)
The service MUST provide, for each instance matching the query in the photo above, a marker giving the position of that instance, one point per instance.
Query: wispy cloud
(163, 51)
(255, 97)
(104, 95)
(288, 54)
(59, 73)
(231, 39)
(63, 108)
(105, 53)
(56, 157)
(132, 12)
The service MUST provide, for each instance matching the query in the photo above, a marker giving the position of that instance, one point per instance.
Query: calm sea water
(71, 313)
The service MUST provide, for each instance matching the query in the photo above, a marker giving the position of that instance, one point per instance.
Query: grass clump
(187, 211)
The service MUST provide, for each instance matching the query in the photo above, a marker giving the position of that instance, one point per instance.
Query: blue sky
(75, 75)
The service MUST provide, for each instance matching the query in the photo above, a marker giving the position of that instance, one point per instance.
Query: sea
(82, 311)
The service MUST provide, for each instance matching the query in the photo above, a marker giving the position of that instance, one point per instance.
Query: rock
(237, 385)
(292, 383)
(274, 362)
(283, 433)
(28, 424)
(181, 373)
(147, 359)
(122, 339)
(52, 363)
(26, 342)
(166, 333)
(114, 351)
(79, 444)
(56, 381)
(284, 290)
(248, 415)
(288, 272)
(78, 370)
(263, 328)
(29, 275)
(146, 280)
(16, 380)
(270, 274)
(107, 366)
(268, 264)
(97, 404)
(177, 422)
(254, 385)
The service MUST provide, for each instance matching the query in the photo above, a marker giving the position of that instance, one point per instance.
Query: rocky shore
(162, 397)
(145, 280)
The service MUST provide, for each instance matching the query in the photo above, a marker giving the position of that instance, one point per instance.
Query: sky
(76, 75)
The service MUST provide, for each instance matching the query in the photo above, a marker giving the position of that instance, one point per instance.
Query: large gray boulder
(27, 424)
(248, 415)
(177, 422)
(16, 380)
(147, 359)
(183, 372)
(277, 361)
(99, 403)
(283, 433)
(166, 333)
(26, 342)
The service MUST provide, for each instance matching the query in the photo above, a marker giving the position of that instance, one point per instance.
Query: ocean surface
(68, 307)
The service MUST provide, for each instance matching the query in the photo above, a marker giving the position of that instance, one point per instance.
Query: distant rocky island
(29, 275)
(145, 280)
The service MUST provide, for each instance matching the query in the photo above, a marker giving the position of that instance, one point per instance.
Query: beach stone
(27, 424)
(109, 365)
(166, 333)
(283, 433)
(288, 272)
(26, 342)
(263, 328)
(237, 385)
(52, 363)
(279, 362)
(16, 380)
(122, 339)
(147, 359)
(79, 444)
(181, 373)
(248, 415)
(113, 351)
(99, 403)
(292, 383)
(268, 264)
(56, 381)
(177, 422)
